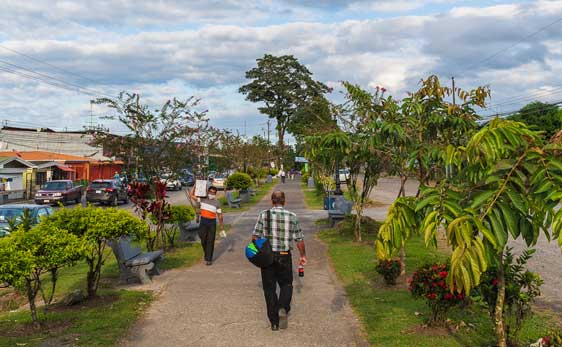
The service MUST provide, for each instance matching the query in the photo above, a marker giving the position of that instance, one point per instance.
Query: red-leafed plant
(389, 270)
(429, 283)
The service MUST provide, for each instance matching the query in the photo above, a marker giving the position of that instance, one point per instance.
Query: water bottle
(301, 270)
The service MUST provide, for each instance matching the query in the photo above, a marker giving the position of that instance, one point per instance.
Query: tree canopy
(541, 117)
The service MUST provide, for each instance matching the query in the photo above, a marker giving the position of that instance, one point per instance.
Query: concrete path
(223, 305)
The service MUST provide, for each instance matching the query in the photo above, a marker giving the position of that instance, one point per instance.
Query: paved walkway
(223, 305)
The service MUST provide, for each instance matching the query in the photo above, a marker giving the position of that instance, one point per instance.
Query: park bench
(133, 263)
(342, 208)
(232, 202)
(189, 231)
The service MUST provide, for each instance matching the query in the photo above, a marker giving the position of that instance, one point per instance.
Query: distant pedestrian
(116, 176)
(209, 212)
(282, 228)
(282, 175)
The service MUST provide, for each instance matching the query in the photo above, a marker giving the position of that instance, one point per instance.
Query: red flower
(434, 268)
(431, 296)
(460, 296)
(449, 296)
(495, 282)
(443, 274)
(442, 284)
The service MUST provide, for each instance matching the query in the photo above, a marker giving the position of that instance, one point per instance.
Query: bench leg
(142, 272)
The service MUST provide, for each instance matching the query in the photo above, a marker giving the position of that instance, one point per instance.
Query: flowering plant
(390, 270)
(429, 283)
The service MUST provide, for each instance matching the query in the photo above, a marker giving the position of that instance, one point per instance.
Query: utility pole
(268, 131)
(453, 80)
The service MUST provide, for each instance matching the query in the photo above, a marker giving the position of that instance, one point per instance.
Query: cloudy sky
(167, 48)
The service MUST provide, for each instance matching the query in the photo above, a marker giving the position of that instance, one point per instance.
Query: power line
(79, 87)
(49, 64)
(511, 46)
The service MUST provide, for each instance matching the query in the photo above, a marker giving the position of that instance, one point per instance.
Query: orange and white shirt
(209, 208)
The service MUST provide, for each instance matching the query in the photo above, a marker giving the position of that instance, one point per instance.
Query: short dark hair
(212, 188)
(278, 197)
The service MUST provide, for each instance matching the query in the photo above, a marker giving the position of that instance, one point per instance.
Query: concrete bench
(133, 263)
(232, 202)
(189, 232)
(342, 208)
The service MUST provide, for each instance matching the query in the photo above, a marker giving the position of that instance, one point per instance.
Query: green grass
(101, 322)
(262, 190)
(388, 314)
(312, 199)
(98, 323)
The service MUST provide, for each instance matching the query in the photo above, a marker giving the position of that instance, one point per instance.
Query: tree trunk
(402, 191)
(280, 144)
(31, 293)
(90, 279)
(498, 312)
(359, 213)
(402, 261)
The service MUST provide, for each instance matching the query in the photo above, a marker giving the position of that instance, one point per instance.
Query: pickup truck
(63, 191)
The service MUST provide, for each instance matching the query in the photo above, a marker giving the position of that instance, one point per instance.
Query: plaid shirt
(285, 227)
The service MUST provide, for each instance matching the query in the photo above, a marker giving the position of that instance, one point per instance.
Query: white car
(219, 181)
(171, 183)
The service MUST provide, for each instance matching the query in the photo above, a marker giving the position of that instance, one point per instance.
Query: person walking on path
(209, 211)
(282, 228)
(282, 175)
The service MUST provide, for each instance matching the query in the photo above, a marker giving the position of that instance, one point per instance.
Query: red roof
(43, 156)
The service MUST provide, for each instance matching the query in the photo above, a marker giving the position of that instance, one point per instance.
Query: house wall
(104, 171)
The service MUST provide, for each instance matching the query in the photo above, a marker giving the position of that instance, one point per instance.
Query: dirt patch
(430, 331)
(88, 303)
(10, 300)
(26, 330)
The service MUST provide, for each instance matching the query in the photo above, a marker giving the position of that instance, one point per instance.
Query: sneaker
(283, 321)
(209, 263)
(274, 327)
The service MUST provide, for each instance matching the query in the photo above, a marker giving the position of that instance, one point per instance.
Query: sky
(171, 48)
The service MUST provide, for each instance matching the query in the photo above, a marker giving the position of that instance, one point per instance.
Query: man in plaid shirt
(281, 228)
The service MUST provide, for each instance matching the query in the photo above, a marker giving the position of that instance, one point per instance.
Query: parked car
(171, 183)
(63, 191)
(107, 192)
(219, 181)
(187, 179)
(344, 175)
(15, 211)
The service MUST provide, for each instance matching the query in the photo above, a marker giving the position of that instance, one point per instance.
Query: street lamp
(338, 190)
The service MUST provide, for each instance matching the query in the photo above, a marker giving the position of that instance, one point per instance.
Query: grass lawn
(262, 190)
(388, 314)
(312, 199)
(99, 322)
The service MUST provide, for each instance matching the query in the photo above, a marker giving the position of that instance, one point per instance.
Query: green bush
(273, 172)
(182, 214)
(390, 270)
(239, 181)
(26, 255)
(95, 226)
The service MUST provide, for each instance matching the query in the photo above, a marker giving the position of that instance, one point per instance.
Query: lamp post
(338, 190)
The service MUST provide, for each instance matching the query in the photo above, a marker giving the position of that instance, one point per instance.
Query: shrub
(27, 255)
(179, 214)
(273, 172)
(239, 181)
(553, 339)
(95, 226)
(429, 283)
(390, 270)
(522, 287)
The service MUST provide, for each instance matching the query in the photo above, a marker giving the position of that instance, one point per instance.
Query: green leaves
(397, 228)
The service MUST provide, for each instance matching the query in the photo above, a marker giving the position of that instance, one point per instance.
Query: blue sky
(169, 48)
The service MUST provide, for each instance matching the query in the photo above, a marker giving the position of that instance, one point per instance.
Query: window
(101, 184)
(42, 213)
(41, 178)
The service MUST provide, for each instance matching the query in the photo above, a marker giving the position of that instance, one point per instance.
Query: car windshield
(220, 177)
(96, 185)
(55, 186)
(10, 213)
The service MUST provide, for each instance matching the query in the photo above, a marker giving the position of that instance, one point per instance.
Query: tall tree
(540, 116)
(282, 85)
(316, 117)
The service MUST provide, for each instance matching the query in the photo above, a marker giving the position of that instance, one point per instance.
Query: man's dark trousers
(207, 233)
(280, 272)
